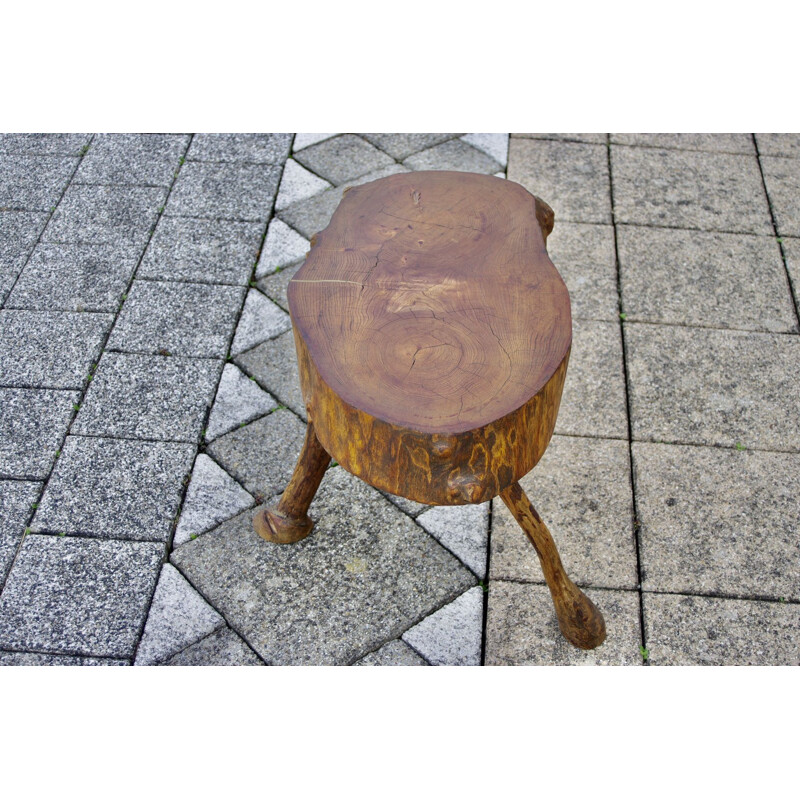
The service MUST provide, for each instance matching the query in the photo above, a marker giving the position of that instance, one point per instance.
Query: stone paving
(150, 404)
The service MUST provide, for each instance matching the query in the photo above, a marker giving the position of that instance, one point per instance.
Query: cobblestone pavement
(150, 405)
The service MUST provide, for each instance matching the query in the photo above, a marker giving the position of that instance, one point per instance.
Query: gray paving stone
(262, 455)
(779, 144)
(572, 178)
(589, 138)
(261, 320)
(302, 140)
(584, 256)
(33, 183)
(47, 660)
(454, 155)
(711, 142)
(791, 249)
(282, 247)
(364, 575)
(274, 365)
(717, 521)
(148, 397)
(393, 654)
(178, 617)
(410, 507)
(298, 183)
(593, 401)
(494, 145)
(224, 191)
(202, 251)
(402, 145)
(74, 277)
(685, 189)
(718, 280)
(782, 177)
(213, 496)
(117, 215)
(522, 629)
(44, 144)
(221, 649)
(186, 319)
(698, 631)
(582, 490)
(239, 400)
(115, 489)
(16, 506)
(32, 427)
(276, 286)
(49, 349)
(19, 231)
(463, 530)
(138, 158)
(343, 158)
(727, 387)
(257, 148)
(313, 215)
(452, 635)
(78, 596)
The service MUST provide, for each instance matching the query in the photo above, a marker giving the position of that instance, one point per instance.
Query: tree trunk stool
(433, 334)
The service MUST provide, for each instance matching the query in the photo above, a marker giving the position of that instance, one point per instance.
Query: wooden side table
(433, 334)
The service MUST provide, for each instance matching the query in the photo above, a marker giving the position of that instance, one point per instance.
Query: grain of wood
(433, 334)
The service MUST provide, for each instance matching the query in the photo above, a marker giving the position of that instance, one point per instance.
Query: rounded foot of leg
(274, 527)
(580, 621)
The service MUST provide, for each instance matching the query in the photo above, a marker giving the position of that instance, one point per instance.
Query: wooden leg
(580, 621)
(288, 521)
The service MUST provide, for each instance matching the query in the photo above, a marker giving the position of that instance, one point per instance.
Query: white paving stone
(213, 497)
(463, 530)
(493, 144)
(302, 140)
(499, 175)
(298, 183)
(238, 400)
(261, 320)
(452, 635)
(282, 247)
(178, 618)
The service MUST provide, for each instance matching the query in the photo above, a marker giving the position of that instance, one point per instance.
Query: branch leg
(288, 521)
(580, 621)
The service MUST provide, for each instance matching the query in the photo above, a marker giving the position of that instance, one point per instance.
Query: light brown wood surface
(578, 618)
(433, 334)
(288, 521)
